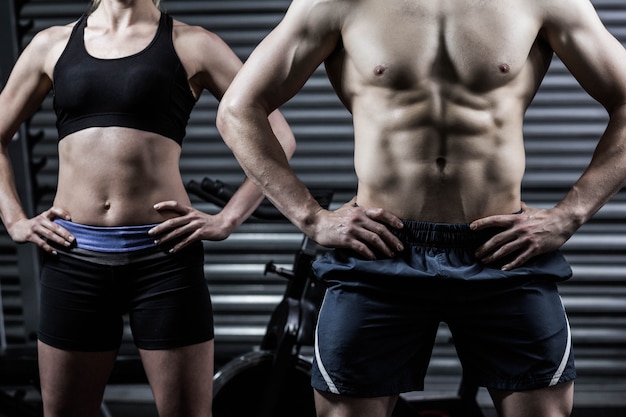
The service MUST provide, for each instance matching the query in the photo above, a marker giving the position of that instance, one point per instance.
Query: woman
(122, 236)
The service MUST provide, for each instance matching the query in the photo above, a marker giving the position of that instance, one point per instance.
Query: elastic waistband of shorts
(442, 234)
(116, 239)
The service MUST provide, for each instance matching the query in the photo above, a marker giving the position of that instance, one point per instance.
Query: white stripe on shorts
(568, 348)
(331, 385)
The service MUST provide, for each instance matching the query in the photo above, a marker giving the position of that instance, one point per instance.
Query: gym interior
(562, 127)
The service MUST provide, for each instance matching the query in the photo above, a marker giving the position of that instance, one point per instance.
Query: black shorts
(85, 294)
(379, 319)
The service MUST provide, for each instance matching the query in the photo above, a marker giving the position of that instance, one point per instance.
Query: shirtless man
(438, 91)
(122, 236)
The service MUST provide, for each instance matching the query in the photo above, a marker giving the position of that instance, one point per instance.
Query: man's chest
(400, 44)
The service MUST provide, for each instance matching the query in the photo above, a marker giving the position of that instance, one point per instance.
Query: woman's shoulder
(197, 41)
(52, 40)
(54, 34)
(192, 33)
(48, 44)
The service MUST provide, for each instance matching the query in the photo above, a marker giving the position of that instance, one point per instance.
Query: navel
(441, 163)
(107, 205)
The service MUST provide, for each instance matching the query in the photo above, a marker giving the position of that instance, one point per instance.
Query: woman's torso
(113, 175)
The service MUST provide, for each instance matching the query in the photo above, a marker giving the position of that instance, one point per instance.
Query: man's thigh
(512, 335)
(370, 343)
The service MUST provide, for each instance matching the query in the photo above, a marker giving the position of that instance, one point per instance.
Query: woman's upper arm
(210, 63)
(213, 65)
(29, 82)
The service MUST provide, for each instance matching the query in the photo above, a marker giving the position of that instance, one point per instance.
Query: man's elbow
(226, 118)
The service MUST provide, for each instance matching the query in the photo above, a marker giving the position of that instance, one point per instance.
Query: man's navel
(441, 163)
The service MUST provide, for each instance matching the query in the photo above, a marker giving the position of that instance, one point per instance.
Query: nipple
(379, 70)
(504, 68)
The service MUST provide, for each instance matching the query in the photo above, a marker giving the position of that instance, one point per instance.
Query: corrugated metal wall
(562, 127)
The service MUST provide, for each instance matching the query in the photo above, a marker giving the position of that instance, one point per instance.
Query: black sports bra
(148, 90)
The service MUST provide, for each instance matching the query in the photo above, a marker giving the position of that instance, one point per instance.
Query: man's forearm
(249, 135)
(604, 176)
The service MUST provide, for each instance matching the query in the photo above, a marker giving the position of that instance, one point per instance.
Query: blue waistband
(115, 239)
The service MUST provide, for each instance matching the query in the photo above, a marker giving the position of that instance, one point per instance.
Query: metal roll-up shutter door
(562, 128)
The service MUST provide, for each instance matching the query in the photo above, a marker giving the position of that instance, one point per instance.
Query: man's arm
(213, 65)
(275, 71)
(598, 61)
(216, 77)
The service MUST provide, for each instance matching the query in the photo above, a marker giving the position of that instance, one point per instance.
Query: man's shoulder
(330, 5)
(562, 10)
(325, 12)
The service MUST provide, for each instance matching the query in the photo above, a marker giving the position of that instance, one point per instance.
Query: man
(437, 231)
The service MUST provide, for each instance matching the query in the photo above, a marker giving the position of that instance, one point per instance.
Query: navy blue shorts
(86, 293)
(379, 319)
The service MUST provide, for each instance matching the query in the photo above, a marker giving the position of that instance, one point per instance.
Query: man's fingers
(487, 255)
(501, 220)
(385, 217)
(517, 253)
(378, 243)
(382, 219)
(365, 231)
(363, 250)
(385, 240)
(371, 239)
